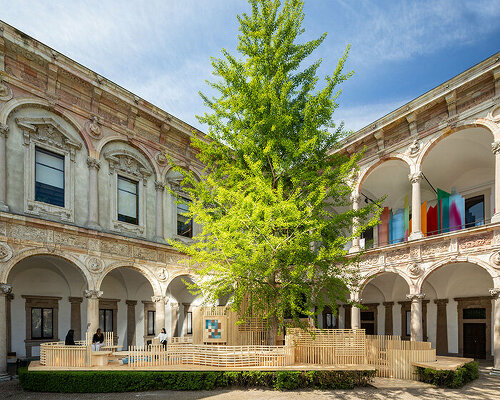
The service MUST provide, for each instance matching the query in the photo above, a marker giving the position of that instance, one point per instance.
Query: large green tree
(273, 205)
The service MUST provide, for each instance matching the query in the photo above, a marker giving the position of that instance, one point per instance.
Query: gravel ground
(486, 387)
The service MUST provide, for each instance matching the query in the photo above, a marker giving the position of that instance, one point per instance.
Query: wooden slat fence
(57, 354)
(328, 346)
(178, 339)
(212, 355)
(393, 357)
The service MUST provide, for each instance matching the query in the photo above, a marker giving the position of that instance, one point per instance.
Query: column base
(93, 225)
(415, 235)
(354, 249)
(495, 218)
(159, 239)
(4, 207)
(495, 371)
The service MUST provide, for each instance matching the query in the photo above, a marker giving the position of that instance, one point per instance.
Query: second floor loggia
(449, 186)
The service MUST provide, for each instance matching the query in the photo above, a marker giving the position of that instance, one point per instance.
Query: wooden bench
(100, 358)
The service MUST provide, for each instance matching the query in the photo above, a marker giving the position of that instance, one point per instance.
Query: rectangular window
(474, 211)
(151, 322)
(474, 313)
(330, 321)
(189, 323)
(367, 239)
(42, 323)
(49, 177)
(408, 323)
(106, 320)
(128, 200)
(367, 316)
(184, 224)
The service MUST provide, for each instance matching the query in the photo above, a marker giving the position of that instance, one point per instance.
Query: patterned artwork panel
(213, 328)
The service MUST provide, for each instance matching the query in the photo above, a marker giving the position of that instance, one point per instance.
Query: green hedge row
(449, 379)
(132, 381)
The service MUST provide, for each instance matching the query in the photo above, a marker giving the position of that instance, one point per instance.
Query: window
(408, 323)
(151, 322)
(128, 200)
(474, 313)
(474, 211)
(330, 321)
(42, 323)
(106, 320)
(189, 323)
(184, 224)
(367, 239)
(49, 177)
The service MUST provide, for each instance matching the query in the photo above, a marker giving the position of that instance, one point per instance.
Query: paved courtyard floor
(487, 387)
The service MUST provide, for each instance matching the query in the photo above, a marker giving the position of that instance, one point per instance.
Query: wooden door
(475, 340)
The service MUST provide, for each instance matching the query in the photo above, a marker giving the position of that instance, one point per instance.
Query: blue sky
(160, 50)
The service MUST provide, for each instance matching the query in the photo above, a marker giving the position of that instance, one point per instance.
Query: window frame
(137, 205)
(189, 323)
(107, 311)
(187, 200)
(42, 337)
(150, 315)
(55, 155)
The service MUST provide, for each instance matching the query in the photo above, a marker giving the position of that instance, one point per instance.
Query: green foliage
(274, 201)
(450, 379)
(135, 381)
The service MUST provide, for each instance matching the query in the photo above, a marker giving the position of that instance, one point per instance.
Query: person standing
(163, 337)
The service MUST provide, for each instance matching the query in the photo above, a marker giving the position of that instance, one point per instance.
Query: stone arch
(366, 173)
(479, 123)
(23, 102)
(116, 138)
(157, 291)
(87, 276)
(192, 276)
(371, 276)
(469, 259)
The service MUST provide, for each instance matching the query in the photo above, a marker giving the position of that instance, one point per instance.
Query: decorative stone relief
(92, 294)
(93, 163)
(495, 147)
(95, 265)
(415, 177)
(159, 186)
(415, 296)
(474, 241)
(397, 255)
(162, 274)
(495, 293)
(415, 270)
(93, 127)
(128, 163)
(4, 129)
(160, 159)
(495, 259)
(435, 248)
(414, 148)
(5, 91)
(5, 252)
(157, 299)
(5, 288)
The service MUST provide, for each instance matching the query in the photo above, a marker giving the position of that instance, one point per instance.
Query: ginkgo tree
(273, 205)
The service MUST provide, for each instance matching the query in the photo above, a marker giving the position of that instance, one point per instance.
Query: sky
(160, 50)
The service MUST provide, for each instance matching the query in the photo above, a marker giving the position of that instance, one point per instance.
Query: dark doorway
(369, 327)
(475, 340)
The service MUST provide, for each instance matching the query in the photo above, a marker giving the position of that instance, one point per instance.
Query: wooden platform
(444, 363)
(115, 366)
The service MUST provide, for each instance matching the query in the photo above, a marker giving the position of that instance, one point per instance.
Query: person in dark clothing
(70, 340)
(97, 340)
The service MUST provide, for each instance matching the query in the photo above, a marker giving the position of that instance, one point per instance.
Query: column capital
(415, 177)
(355, 197)
(92, 294)
(4, 129)
(157, 299)
(415, 296)
(159, 186)
(388, 303)
(174, 306)
(130, 302)
(75, 299)
(495, 293)
(495, 147)
(441, 302)
(93, 163)
(5, 289)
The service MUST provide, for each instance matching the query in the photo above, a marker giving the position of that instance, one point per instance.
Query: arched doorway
(126, 307)
(182, 304)
(46, 301)
(386, 310)
(463, 316)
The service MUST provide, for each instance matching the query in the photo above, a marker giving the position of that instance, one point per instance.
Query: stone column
(174, 319)
(160, 187)
(131, 321)
(5, 290)
(4, 131)
(417, 333)
(495, 147)
(441, 327)
(495, 293)
(92, 297)
(416, 230)
(94, 166)
(355, 241)
(159, 312)
(76, 316)
(389, 330)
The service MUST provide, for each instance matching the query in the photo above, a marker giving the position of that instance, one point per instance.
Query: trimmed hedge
(134, 381)
(449, 379)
